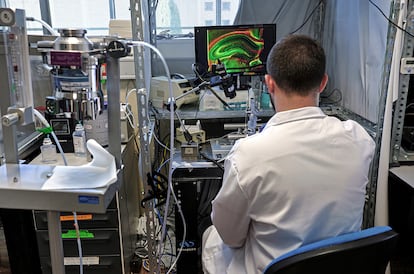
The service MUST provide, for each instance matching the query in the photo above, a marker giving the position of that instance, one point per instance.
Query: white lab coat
(300, 180)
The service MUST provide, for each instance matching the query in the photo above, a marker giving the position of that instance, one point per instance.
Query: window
(208, 6)
(226, 6)
(180, 16)
(90, 14)
(172, 16)
(32, 9)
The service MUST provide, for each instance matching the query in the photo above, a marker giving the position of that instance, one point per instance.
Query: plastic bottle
(48, 151)
(79, 141)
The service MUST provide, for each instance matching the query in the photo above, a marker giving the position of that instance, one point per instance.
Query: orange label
(83, 217)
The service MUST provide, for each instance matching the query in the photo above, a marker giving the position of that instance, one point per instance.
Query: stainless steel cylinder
(73, 39)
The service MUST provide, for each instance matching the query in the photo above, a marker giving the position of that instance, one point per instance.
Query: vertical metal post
(112, 9)
(7, 97)
(45, 14)
(320, 21)
(404, 84)
(218, 12)
(141, 32)
(152, 11)
(142, 60)
(114, 113)
(9, 133)
(369, 210)
(56, 247)
(144, 133)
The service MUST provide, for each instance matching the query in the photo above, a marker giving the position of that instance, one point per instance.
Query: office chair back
(363, 252)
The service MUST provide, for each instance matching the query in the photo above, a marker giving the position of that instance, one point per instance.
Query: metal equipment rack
(374, 129)
(398, 154)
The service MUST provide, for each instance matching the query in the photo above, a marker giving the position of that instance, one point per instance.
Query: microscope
(75, 72)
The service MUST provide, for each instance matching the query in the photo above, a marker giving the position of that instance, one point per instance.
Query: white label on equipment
(188, 150)
(407, 65)
(85, 261)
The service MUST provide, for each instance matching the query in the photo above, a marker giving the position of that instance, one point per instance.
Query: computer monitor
(242, 49)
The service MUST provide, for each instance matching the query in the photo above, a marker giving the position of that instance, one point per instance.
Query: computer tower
(195, 187)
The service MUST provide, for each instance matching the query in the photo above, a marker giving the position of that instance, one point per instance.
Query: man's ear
(270, 83)
(323, 83)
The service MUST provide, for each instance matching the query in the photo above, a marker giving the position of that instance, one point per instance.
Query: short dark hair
(297, 64)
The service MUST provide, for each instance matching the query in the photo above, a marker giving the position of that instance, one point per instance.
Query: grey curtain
(288, 15)
(353, 33)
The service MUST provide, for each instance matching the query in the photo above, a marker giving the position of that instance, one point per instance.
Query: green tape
(45, 130)
(83, 234)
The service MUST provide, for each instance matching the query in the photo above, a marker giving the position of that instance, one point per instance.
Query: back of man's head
(297, 64)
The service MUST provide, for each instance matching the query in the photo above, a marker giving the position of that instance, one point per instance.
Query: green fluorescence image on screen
(238, 50)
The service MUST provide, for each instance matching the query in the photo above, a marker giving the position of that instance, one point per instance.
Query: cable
(130, 114)
(160, 143)
(44, 24)
(168, 236)
(170, 190)
(46, 124)
(327, 96)
(195, 70)
(129, 93)
(219, 98)
(211, 160)
(409, 105)
(307, 19)
(78, 241)
(389, 20)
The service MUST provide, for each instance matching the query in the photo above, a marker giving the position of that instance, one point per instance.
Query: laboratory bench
(217, 123)
(106, 216)
(99, 232)
(21, 190)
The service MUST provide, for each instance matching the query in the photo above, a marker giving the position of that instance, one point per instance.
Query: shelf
(189, 114)
(15, 190)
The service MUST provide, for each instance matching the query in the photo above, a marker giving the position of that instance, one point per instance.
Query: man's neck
(284, 103)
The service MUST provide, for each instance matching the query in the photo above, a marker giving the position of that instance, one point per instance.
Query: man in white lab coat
(300, 180)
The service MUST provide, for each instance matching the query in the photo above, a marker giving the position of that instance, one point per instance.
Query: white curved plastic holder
(100, 172)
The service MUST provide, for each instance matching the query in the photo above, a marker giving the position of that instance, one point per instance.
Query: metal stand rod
(218, 97)
(194, 90)
(204, 84)
(55, 242)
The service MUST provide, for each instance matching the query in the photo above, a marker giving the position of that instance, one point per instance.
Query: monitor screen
(242, 49)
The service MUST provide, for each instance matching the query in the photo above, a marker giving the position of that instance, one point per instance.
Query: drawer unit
(100, 241)
(94, 242)
(108, 240)
(98, 265)
(85, 220)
